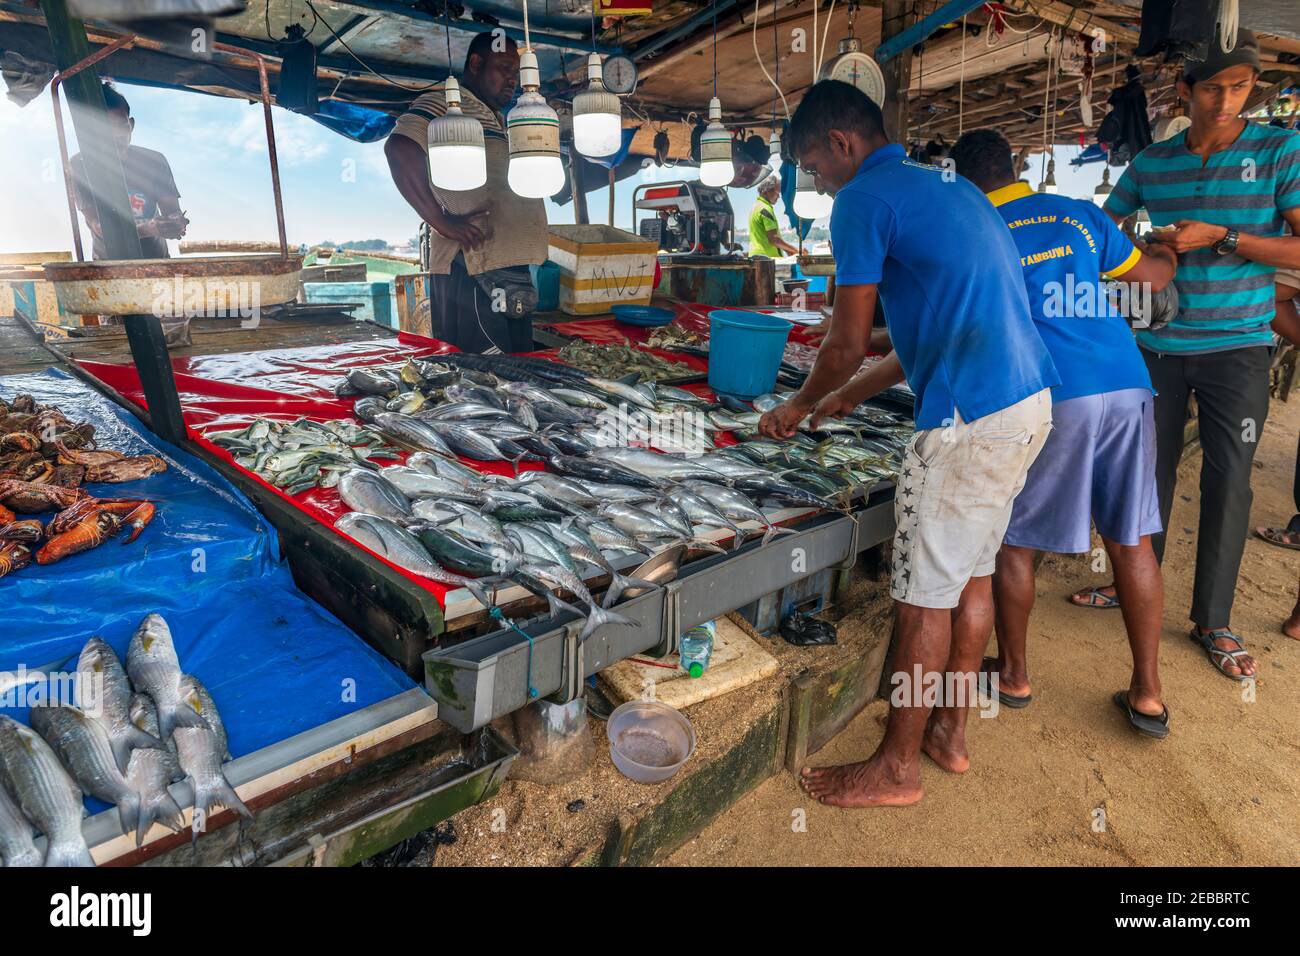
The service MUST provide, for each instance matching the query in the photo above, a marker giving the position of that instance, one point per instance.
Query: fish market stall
(156, 567)
(414, 602)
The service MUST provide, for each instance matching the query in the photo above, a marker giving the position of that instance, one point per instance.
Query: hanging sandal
(1148, 725)
(1217, 655)
(1094, 598)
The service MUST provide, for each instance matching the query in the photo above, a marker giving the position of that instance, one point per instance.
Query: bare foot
(1291, 626)
(1017, 685)
(945, 746)
(865, 784)
(1145, 701)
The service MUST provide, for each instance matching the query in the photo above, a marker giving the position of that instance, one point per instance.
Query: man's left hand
(1188, 235)
(783, 421)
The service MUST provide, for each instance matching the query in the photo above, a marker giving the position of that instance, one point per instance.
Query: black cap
(1216, 61)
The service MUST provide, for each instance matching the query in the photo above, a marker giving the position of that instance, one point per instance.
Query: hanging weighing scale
(851, 65)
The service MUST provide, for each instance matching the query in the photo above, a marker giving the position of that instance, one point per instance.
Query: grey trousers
(1231, 390)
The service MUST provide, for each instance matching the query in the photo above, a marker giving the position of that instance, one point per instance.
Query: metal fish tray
(210, 286)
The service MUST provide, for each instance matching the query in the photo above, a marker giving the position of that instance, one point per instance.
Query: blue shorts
(1098, 466)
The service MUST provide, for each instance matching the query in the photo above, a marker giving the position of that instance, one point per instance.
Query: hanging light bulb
(457, 158)
(716, 168)
(1103, 189)
(597, 116)
(774, 144)
(1048, 185)
(808, 202)
(534, 133)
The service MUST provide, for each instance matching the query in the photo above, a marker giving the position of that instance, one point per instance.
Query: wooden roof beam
(1078, 18)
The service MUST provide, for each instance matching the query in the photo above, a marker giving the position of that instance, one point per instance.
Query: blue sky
(333, 188)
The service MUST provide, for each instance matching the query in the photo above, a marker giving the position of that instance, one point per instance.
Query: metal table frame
(487, 677)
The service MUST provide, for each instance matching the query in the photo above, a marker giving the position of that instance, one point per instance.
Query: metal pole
(575, 187)
(270, 138)
(611, 195)
(106, 185)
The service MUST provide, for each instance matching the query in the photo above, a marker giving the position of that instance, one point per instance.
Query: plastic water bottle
(697, 648)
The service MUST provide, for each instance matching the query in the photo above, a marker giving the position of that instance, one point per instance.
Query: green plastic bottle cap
(697, 669)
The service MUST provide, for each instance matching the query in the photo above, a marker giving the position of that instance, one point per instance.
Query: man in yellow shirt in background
(764, 232)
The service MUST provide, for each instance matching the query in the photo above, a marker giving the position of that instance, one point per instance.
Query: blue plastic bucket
(745, 350)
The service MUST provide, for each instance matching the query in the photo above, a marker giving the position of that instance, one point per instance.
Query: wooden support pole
(106, 184)
(895, 18)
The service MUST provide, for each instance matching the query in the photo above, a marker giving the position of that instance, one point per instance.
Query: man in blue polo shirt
(1099, 462)
(942, 261)
(1222, 192)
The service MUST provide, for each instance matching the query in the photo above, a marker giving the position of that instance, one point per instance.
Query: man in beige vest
(482, 240)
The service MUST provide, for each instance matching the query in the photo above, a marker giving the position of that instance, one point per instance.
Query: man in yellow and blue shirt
(1098, 465)
(764, 231)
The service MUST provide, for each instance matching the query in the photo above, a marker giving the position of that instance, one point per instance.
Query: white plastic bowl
(649, 741)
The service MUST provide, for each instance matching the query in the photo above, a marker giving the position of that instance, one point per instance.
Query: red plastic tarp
(230, 402)
(690, 316)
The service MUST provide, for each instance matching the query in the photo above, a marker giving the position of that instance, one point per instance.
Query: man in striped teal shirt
(1224, 191)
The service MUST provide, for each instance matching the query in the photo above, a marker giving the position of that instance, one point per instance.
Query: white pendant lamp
(774, 144)
(597, 116)
(808, 202)
(457, 158)
(533, 131)
(716, 168)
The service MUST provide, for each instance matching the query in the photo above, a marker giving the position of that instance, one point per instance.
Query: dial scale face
(619, 74)
(861, 70)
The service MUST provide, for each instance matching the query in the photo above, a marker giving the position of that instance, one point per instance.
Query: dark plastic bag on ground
(804, 630)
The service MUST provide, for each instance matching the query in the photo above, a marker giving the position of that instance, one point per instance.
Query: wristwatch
(1228, 244)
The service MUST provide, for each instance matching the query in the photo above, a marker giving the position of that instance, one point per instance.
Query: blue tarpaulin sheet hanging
(275, 662)
(800, 226)
(355, 122)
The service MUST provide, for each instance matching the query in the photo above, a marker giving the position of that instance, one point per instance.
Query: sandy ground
(1065, 781)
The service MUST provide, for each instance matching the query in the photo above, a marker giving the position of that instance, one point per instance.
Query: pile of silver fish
(300, 455)
(132, 733)
(599, 502)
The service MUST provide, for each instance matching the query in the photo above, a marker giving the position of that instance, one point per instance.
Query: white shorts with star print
(954, 497)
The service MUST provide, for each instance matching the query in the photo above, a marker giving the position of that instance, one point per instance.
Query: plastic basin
(745, 350)
(649, 741)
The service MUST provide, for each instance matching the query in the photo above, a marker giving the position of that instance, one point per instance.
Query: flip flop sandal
(990, 666)
(1145, 724)
(1096, 600)
(1217, 655)
(1278, 537)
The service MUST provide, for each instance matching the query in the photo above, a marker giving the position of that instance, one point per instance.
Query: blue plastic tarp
(275, 662)
(359, 123)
